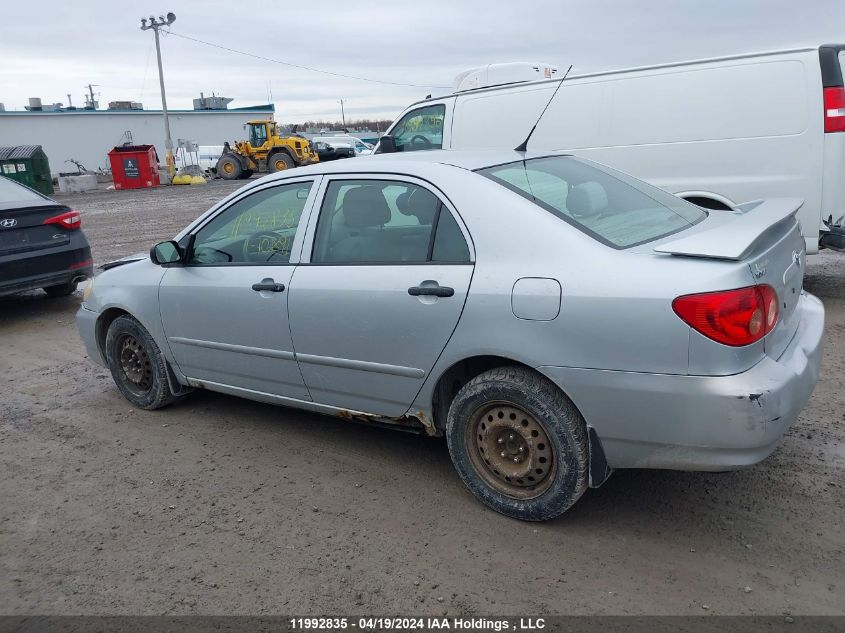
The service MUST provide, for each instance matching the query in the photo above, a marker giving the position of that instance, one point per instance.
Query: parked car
(718, 132)
(41, 243)
(332, 151)
(553, 318)
(361, 148)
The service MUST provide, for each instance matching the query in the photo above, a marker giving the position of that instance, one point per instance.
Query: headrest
(365, 206)
(420, 203)
(585, 199)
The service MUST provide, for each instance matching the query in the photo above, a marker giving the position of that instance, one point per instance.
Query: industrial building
(87, 135)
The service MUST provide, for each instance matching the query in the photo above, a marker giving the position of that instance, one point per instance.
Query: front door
(225, 311)
(383, 290)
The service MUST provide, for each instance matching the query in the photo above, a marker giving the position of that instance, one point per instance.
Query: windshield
(607, 205)
(11, 191)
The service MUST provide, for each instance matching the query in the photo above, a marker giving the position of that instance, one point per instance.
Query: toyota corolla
(553, 318)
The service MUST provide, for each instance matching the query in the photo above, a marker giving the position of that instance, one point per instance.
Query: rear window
(611, 207)
(11, 191)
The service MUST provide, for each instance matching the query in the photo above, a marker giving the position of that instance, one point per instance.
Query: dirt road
(219, 505)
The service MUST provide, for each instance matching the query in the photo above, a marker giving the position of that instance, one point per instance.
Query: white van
(206, 157)
(718, 132)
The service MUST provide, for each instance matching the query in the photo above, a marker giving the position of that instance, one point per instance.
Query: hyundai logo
(8, 223)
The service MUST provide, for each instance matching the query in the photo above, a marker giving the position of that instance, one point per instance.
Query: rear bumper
(699, 422)
(43, 281)
(30, 270)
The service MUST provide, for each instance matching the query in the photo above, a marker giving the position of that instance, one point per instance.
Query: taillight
(731, 317)
(834, 109)
(70, 220)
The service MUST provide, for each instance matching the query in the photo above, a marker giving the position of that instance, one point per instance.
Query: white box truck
(718, 132)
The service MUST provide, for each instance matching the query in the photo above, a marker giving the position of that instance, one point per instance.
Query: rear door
(832, 60)
(385, 273)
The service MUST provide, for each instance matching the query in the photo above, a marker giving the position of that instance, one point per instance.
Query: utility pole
(155, 25)
(342, 114)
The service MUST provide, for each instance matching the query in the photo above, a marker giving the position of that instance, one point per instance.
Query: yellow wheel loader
(264, 151)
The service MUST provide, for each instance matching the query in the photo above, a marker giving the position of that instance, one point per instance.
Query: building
(88, 135)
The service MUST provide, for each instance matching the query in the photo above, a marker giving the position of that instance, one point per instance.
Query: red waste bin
(134, 166)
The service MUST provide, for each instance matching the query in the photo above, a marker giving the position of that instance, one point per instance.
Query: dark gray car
(41, 243)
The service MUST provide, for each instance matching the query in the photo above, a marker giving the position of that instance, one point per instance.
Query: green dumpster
(28, 165)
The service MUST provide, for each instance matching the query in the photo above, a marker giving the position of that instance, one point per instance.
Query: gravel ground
(219, 505)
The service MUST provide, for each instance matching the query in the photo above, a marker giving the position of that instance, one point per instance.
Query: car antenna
(522, 147)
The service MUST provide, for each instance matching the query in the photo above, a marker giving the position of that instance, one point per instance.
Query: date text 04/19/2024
(417, 624)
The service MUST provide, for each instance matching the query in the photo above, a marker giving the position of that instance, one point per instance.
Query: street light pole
(155, 25)
(342, 114)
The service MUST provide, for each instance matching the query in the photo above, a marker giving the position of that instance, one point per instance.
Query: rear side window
(385, 221)
(420, 129)
(612, 208)
(11, 191)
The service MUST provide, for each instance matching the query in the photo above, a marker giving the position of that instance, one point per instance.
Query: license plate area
(32, 238)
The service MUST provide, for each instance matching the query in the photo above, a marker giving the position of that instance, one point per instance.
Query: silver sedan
(553, 318)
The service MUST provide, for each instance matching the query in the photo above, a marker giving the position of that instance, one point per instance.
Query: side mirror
(166, 253)
(386, 145)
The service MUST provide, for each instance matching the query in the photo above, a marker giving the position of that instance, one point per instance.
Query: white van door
(423, 127)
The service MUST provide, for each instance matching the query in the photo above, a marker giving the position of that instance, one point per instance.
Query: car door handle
(431, 291)
(268, 286)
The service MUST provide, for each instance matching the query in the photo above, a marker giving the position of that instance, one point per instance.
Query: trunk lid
(765, 235)
(22, 229)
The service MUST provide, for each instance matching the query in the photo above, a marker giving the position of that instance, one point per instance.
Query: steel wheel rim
(134, 364)
(510, 450)
(228, 168)
(280, 165)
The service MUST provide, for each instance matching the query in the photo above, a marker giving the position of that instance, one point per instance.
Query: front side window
(258, 229)
(615, 209)
(420, 129)
(386, 221)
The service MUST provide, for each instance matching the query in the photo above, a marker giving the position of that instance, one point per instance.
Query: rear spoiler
(734, 239)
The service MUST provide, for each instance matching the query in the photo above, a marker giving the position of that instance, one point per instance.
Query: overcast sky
(49, 48)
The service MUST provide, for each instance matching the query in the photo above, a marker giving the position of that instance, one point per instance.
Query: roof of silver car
(401, 161)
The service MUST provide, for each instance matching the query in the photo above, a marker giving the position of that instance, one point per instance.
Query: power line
(146, 68)
(301, 67)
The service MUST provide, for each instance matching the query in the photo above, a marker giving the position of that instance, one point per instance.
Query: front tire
(519, 444)
(229, 167)
(61, 290)
(137, 365)
(280, 161)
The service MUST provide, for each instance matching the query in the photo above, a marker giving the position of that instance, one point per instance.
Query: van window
(420, 129)
(610, 207)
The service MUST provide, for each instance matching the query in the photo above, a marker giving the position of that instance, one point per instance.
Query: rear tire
(519, 444)
(280, 161)
(137, 365)
(61, 290)
(229, 168)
